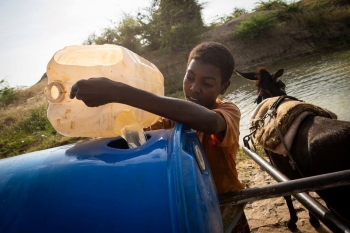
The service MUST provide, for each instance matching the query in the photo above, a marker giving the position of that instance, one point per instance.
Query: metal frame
(293, 187)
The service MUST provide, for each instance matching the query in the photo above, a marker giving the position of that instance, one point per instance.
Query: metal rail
(290, 187)
(322, 213)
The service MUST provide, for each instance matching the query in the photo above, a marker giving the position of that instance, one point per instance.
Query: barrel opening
(121, 143)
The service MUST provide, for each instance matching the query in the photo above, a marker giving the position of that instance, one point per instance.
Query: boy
(209, 68)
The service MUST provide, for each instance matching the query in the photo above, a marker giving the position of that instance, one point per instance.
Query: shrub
(293, 7)
(235, 14)
(320, 17)
(256, 26)
(320, 4)
(37, 122)
(8, 95)
(281, 5)
(270, 5)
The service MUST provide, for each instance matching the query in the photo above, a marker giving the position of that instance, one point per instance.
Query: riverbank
(306, 31)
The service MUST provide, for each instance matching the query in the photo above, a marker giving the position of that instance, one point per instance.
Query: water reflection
(323, 80)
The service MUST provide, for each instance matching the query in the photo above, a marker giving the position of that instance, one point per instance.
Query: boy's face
(202, 83)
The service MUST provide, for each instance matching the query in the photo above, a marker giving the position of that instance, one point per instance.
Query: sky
(32, 31)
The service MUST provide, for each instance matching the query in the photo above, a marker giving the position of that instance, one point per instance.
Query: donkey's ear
(250, 75)
(278, 74)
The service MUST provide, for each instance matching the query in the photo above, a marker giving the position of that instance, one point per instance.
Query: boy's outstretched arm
(95, 92)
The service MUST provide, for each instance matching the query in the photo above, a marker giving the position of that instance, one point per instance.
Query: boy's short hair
(215, 54)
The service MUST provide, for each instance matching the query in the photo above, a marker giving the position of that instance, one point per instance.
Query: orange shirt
(220, 149)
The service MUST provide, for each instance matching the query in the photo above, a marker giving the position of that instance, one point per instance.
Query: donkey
(321, 145)
(269, 85)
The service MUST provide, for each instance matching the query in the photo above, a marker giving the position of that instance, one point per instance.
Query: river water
(322, 79)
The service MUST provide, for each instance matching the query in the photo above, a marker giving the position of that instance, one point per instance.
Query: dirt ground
(270, 215)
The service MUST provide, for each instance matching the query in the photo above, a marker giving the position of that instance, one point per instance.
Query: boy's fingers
(73, 91)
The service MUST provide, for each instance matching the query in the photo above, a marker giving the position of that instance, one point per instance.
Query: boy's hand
(94, 92)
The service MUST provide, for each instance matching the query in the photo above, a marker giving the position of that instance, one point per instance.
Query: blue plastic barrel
(164, 185)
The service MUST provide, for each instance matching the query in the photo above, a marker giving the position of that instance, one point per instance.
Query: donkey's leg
(313, 220)
(291, 223)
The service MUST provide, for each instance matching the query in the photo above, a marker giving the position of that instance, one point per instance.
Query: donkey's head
(269, 85)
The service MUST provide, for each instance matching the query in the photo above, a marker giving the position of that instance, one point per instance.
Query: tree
(173, 24)
(166, 24)
(126, 33)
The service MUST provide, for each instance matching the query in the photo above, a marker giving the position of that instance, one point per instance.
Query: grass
(241, 155)
(28, 130)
